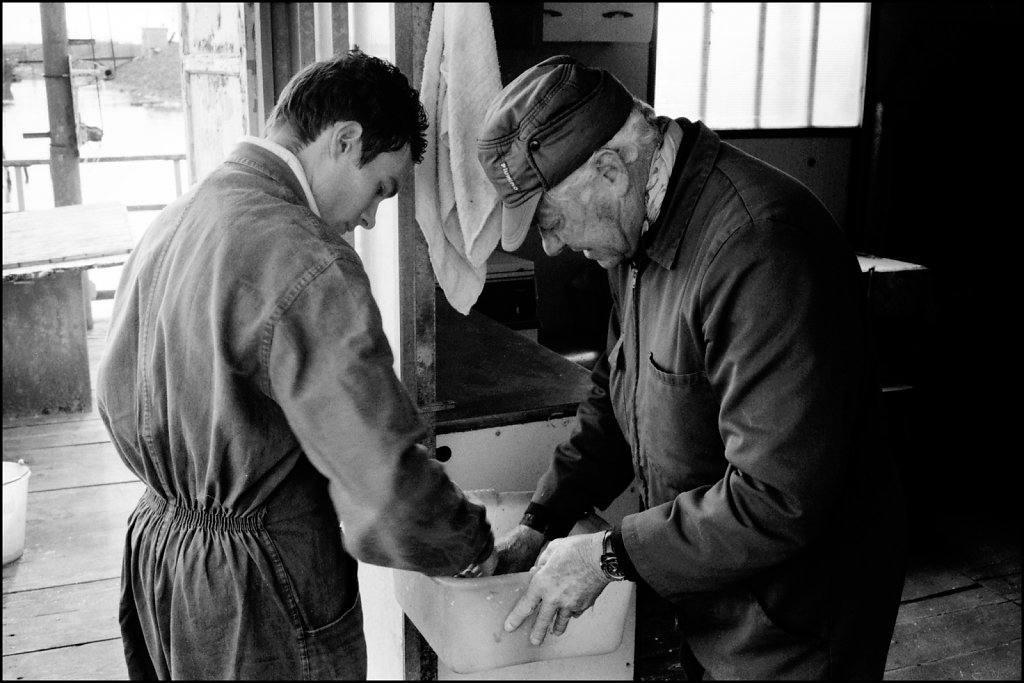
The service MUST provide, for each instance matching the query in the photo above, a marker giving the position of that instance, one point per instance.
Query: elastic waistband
(192, 516)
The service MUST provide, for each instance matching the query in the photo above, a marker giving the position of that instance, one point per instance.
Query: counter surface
(496, 377)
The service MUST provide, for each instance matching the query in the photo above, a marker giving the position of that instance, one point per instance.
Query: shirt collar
(661, 170)
(695, 160)
(293, 163)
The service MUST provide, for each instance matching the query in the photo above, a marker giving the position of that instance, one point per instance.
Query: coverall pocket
(338, 650)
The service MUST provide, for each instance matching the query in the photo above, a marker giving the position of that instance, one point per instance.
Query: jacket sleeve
(331, 371)
(779, 310)
(594, 465)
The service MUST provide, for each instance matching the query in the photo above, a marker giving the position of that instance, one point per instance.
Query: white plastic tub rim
(15, 493)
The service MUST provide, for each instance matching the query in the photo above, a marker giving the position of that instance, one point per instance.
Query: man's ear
(611, 169)
(346, 137)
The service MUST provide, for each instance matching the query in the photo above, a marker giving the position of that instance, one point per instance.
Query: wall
(821, 163)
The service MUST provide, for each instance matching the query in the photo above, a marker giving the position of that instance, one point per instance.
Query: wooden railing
(19, 166)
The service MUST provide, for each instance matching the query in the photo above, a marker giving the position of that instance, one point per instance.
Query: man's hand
(566, 581)
(517, 550)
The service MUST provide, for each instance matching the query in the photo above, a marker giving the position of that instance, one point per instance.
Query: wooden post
(412, 28)
(60, 106)
(67, 187)
(416, 295)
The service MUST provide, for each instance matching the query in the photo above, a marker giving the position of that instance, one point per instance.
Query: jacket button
(534, 145)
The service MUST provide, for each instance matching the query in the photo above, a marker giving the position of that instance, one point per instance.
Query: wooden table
(46, 304)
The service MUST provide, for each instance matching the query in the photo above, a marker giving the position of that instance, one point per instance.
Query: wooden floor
(960, 617)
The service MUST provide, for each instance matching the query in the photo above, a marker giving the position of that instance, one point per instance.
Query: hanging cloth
(457, 208)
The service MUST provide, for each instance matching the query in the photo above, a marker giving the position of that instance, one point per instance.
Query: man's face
(348, 194)
(591, 220)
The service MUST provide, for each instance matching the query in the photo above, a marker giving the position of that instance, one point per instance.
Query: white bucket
(16, 476)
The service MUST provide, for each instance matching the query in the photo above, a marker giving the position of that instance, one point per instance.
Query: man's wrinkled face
(348, 194)
(587, 220)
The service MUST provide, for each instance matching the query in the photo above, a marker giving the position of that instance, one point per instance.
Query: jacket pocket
(679, 437)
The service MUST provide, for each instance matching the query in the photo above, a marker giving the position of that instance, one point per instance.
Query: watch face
(610, 565)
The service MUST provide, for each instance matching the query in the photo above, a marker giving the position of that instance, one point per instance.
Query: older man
(735, 388)
(247, 381)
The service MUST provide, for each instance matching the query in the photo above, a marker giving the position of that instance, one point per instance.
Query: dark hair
(355, 87)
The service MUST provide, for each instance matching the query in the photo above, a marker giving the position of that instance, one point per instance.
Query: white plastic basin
(16, 476)
(463, 619)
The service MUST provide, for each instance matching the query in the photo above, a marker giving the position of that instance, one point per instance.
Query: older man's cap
(543, 126)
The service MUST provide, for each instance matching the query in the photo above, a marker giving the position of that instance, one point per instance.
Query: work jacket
(247, 381)
(736, 389)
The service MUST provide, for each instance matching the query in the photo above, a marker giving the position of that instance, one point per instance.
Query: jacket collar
(269, 164)
(693, 166)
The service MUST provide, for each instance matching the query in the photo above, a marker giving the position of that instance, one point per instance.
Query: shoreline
(146, 81)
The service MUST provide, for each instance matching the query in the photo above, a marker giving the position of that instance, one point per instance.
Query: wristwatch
(609, 560)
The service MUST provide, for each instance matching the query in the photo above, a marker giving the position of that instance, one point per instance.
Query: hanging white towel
(457, 208)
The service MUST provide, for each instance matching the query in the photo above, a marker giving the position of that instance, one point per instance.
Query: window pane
(678, 66)
(787, 65)
(838, 85)
(732, 64)
(725, 93)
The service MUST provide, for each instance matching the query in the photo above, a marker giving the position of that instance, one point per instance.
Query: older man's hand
(566, 581)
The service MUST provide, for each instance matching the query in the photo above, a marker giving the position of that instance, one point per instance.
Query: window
(762, 65)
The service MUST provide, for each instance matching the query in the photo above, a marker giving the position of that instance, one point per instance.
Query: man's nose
(369, 216)
(551, 243)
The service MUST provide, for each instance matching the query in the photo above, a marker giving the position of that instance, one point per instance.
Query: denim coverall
(247, 381)
(737, 390)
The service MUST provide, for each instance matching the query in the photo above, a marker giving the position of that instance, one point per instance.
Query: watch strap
(610, 560)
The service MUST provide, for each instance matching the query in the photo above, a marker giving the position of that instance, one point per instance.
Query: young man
(247, 381)
(735, 388)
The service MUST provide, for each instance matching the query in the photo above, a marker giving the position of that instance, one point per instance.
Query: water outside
(127, 130)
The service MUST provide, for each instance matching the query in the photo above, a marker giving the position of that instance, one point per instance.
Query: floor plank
(67, 466)
(1000, 663)
(99, 661)
(932, 639)
(36, 420)
(51, 435)
(1008, 586)
(59, 617)
(932, 577)
(73, 536)
(973, 597)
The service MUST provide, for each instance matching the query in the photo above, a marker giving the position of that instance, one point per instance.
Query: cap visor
(516, 221)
